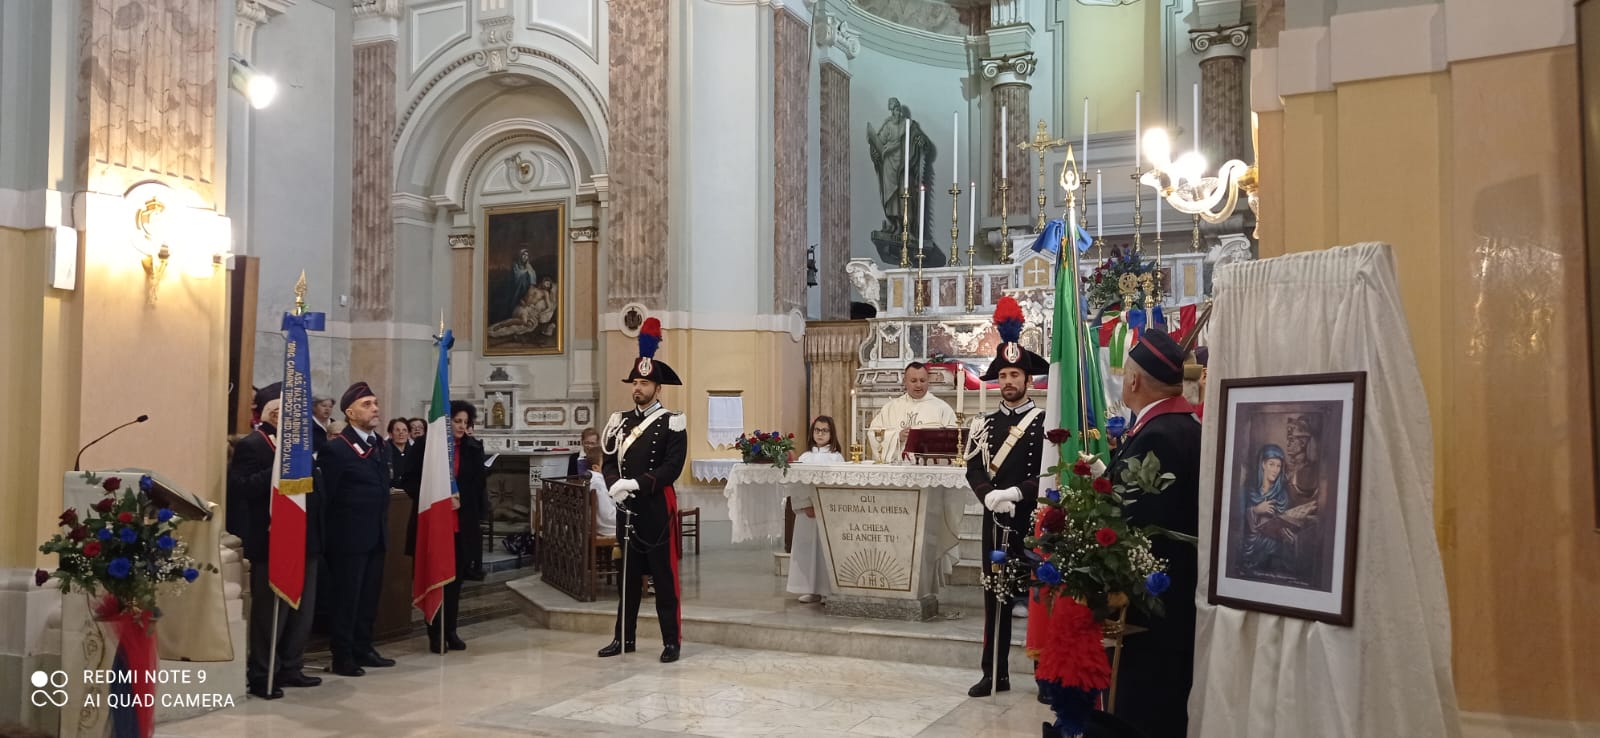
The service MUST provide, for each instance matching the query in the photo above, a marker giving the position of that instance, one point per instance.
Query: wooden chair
(689, 527)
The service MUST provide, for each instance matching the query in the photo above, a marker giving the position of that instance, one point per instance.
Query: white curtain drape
(1260, 675)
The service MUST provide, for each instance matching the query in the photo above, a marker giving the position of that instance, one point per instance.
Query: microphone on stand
(79, 457)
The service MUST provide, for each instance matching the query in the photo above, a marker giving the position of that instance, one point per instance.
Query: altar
(889, 532)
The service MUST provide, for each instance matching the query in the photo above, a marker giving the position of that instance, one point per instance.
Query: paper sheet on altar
(755, 494)
(1389, 674)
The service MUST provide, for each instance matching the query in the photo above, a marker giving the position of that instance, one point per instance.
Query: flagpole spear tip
(300, 294)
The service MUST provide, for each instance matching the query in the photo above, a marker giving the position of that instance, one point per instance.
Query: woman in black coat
(471, 484)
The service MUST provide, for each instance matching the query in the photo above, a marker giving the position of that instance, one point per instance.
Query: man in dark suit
(249, 504)
(355, 472)
(1158, 666)
(644, 453)
(1003, 471)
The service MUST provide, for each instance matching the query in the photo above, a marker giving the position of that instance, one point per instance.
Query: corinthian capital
(1222, 41)
(833, 31)
(248, 15)
(378, 8)
(1011, 68)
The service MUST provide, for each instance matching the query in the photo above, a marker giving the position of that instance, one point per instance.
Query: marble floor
(517, 679)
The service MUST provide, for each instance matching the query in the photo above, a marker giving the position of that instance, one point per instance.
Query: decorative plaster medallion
(633, 315)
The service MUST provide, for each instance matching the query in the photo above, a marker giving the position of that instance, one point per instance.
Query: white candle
(905, 156)
(1138, 133)
(1158, 212)
(922, 223)
(1084, 162)
(1099, 216)
(855, 419)
(1005, 147)
(1197, 116)
(955, 147)
(983, 396)
(972, 212)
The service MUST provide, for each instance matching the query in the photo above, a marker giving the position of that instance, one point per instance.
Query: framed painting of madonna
(1283, 529)
(523, 266)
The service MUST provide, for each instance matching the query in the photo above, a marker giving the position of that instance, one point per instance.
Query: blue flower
(164, 514)
(165, 542)
(1157, 582)
(1048, 573)
(103, 534)
(128, 535)
(146, 483)
(190, 575)
(997, 556)
(119, 567)
(1052, 494)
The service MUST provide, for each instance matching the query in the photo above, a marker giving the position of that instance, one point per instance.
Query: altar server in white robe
(914, 409)
(808, 567)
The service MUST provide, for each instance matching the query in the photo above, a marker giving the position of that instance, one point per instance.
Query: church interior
(1344, 239)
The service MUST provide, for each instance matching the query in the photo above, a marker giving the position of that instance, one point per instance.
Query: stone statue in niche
(890, 155)
(497, 411)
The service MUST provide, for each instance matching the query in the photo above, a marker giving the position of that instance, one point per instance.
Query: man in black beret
(1157, 667)
(355, 473)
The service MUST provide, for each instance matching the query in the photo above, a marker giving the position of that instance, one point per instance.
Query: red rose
(1081, 469)
(1053, 520)
(79, 533)
(1103, 486)
(112, 484)
(70, 517)
(40, 576)
(791, 435)
(126, 517)
(91, 549)
(105, 505)
(1057, 435)
(1105, 536)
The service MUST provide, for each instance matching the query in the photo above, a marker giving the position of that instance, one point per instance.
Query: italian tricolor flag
(435, 562)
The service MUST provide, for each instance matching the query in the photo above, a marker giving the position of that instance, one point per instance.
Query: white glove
(1003, 500)
(623, 489)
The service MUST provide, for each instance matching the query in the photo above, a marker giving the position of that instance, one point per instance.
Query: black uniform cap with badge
(646, 366)
(1159, 356)
(1010, 353)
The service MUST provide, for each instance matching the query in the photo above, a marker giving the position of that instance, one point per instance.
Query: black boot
(614, 648)
(984, 687)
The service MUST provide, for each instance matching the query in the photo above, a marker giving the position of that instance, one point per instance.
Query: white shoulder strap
(1017, 432)
(638, 430)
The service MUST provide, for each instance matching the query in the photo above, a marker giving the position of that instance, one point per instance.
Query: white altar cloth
(755, 493)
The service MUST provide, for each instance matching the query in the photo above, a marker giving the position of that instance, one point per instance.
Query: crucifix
(1040, 144)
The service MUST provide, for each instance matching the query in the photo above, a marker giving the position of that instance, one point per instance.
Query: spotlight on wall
(811, 265)
(258, 89)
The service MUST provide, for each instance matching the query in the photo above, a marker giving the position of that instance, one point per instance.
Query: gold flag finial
(1069, 172)
(300, 294)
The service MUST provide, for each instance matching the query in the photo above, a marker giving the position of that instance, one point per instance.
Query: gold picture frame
(1588, 22)
(524, 269)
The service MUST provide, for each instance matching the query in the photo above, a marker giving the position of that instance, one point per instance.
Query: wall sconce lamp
(168, 230)
(811, 265)
(1184, 184)
(258, 89)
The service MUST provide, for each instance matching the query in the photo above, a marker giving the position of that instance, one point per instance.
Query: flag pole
(272, 655)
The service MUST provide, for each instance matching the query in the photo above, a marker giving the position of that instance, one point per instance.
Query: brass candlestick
(1005, 230)
(1040, 144)
(1138, 214)
(1194, 237)
(955, 224)
(920, 302)
(972, 255)
(904, 228)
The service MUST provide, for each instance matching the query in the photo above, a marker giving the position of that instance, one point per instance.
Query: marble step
(803, 630)
(965, 573)
(971, 546)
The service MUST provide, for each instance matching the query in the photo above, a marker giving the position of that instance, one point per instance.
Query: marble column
(837, 45)
(835, 192)
(1010, 93)
(791, 74)
(1224, 127)
(636, 264)
(371, 221)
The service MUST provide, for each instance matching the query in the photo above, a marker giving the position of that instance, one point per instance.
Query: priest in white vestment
(914, 409)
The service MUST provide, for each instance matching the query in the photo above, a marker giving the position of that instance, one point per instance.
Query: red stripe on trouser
(677, 543)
